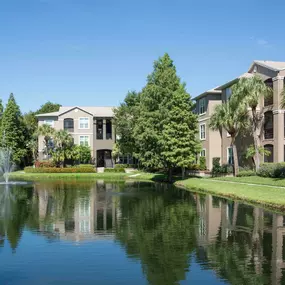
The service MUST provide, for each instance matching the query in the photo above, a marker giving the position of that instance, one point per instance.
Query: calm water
(134, 233)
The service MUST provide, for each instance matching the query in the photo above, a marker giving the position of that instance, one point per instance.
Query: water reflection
(168, 231)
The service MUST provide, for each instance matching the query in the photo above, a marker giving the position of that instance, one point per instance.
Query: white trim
(202, 114)
(203, 149)
(52, 125)
(202, 139)
(84, 136)
(204, 119)
(278, 78)
(278, 112)
(79, 123)
(204, 100)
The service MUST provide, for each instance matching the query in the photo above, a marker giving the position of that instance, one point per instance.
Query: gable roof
(211, 91)
(93, 111)
(229, 83)
(273, 65)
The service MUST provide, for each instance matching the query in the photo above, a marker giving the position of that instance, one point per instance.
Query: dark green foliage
(82, 154)
(203, 163)
(60, 170)
(165, 131)
(48, 107)
(216, 166)
(125, 117)
(12, 131)
(273, 170)
(114, 170)
(245, 173)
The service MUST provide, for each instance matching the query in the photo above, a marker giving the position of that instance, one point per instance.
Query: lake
(79, 232)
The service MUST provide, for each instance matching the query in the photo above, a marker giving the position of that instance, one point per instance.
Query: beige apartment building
(216, 144)
(89, 126)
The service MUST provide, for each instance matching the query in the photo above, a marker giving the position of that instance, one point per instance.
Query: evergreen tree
(148, 130)
(180, 128)
(125, 117)
(1, 111)
(165, 121)
(12, 130)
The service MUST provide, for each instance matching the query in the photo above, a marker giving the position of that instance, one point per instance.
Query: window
(84, 140)
(84, 226)
(84, 207)
(202, 132)
(270, 157)
(49, 122)
(68, 125)
(228, 93)
(202, 106)
(83, 123)
(108, 129)
(230, 155)
(203, 152)
(268, 125)
(99, 129)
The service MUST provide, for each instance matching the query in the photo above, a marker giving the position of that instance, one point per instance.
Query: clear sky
(91, 52)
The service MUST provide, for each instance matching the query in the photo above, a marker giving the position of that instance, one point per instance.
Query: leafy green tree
(12, 130)
(250, 152)
(32, 146)
(233, 117)
(251, 90)
(48, 107)
(154, 129)
(1, 110)
(81, 153)
(180, 128)
(125, 117)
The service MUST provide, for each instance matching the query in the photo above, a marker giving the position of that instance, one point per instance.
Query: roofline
(264, 65)
(228, 84)
(76, 107)
(208, 92)
(47, 115)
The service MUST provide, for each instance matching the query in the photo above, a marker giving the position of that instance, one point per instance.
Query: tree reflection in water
(165, 229)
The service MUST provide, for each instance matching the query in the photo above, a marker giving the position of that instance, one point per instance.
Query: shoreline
(268, 193)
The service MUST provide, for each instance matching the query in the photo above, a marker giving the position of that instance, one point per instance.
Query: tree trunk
(235, 157)
(255, 138)
(170, 174)
(183, 172)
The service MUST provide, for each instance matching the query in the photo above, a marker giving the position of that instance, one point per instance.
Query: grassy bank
(20, 175)
(261, 194)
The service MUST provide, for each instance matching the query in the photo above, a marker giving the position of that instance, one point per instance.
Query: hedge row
(44, 164)
(60, 170)
(114, 170)
(125, 166)
(273, 170)
(245, 173)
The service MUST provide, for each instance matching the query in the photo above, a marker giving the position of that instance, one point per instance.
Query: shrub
(115, 170)
(60, 170)
(216, 166)
(273, 170)
(194, 167)
(203, 163)
(227, 169)
(85, 165)
(244, 173)
(118, 166)
(44, 164)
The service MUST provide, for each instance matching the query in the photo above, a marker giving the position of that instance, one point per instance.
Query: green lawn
(256, 180)
(142, 176)
(257, 194)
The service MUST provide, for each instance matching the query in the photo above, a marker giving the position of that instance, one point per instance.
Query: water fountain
(7, 166)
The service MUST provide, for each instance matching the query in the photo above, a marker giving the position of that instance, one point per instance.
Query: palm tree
(251, 91)
(47, 132)
(233, 117)
(63, 141)
(32, 145)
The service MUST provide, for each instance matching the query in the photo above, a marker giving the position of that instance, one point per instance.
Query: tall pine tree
(164, 140)
(12, 130)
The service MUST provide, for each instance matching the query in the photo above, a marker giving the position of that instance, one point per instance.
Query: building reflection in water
(225, 220)
(94, 215)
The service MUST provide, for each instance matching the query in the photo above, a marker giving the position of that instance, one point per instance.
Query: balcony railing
(268, 133)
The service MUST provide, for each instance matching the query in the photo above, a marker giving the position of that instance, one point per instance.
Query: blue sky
(91, 52)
